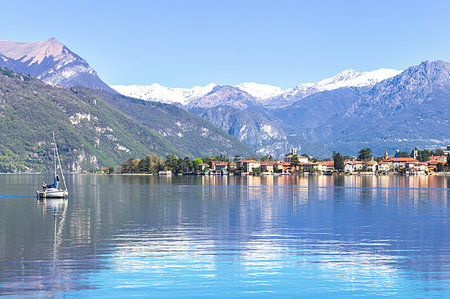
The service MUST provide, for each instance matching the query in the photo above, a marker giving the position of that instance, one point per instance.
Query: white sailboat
(54, 190)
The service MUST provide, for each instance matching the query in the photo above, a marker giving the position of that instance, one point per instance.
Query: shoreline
(220, 175)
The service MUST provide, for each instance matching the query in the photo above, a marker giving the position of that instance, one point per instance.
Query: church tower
(386, 155)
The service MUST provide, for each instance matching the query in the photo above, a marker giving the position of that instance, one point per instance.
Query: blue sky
(187, 43)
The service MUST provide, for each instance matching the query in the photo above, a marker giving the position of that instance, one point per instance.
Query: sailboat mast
(54, 151)
(59, 162)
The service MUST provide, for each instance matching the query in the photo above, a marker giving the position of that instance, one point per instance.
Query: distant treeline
(153, 164)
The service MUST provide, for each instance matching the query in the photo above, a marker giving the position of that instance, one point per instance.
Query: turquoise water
(318, 236)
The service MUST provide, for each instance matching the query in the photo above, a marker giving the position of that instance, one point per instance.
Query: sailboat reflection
(57, 206)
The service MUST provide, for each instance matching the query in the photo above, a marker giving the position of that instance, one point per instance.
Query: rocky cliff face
(408, 110)
(239, 114)
(50, 61)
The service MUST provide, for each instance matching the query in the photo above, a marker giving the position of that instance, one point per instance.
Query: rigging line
(59, 161)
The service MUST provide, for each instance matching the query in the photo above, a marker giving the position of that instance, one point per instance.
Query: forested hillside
(90, 132)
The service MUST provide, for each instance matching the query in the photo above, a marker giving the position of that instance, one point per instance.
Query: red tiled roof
(354, 162)
(400, 159)
(268, 163)
(438, 157)
(326, 163)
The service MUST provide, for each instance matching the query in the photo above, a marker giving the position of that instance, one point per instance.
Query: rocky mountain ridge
(96, 128)
(51, 62)
(267, 95)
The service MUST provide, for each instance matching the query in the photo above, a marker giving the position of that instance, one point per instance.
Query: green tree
(365, 154)
(294, 161)
(439, 152)
(403, 155)
(338, 162)
(196, 163)
(135, 166)
(171, 163)
(440, 167)
(221, 158)
(127, 166)
(257, 170)
(206, 160)
(142, 166)
(423, 155)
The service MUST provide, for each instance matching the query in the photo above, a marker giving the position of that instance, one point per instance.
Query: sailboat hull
(52, 193)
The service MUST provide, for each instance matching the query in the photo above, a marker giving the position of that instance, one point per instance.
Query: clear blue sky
(186, 43)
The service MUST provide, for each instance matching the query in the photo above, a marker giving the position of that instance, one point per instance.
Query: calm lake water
(317, 236)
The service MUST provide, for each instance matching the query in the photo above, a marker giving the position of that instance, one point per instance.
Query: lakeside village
(423, 162)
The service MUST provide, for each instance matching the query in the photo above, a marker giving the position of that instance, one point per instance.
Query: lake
(197, 236)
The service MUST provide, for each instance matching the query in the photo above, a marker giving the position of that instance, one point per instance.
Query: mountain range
(380, 109)
(249, 110)
(51, 62)
(265, 94)
(95, 128)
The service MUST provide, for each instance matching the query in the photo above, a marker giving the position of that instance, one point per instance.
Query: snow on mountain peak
(169, 95)
(352, 78)
(260, 91)
(266, 94)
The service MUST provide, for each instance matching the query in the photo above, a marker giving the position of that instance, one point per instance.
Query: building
(371, 166)
(221, 166)
(442, 159)
(318, 166)
(400, 162)
(202, 166)
(447, 150)
(301, 159)
(248, 165)
(282, 166)
(288, 158)
(382, 166)
(268, 166)
(352, 166)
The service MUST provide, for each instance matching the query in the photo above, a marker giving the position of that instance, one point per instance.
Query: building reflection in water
(354, 228)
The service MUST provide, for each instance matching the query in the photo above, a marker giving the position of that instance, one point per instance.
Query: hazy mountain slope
(90, 132)
(265, 94)
(347, 78)
(239, 114)
(309, 123)
(188, 133)
(408, 110)
(411, 109)
(50, 61)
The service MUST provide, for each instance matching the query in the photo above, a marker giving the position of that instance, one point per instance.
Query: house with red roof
(268, 166)
(248, 165)
(401, 162)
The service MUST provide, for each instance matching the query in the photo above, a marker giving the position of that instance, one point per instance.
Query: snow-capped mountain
(260, 91)
(265, 94)
(159, 93)
(50, 61)
(352, 78)
(406, 111)
(347, 78)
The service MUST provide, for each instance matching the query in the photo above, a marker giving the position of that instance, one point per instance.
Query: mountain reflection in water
(227, 236)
